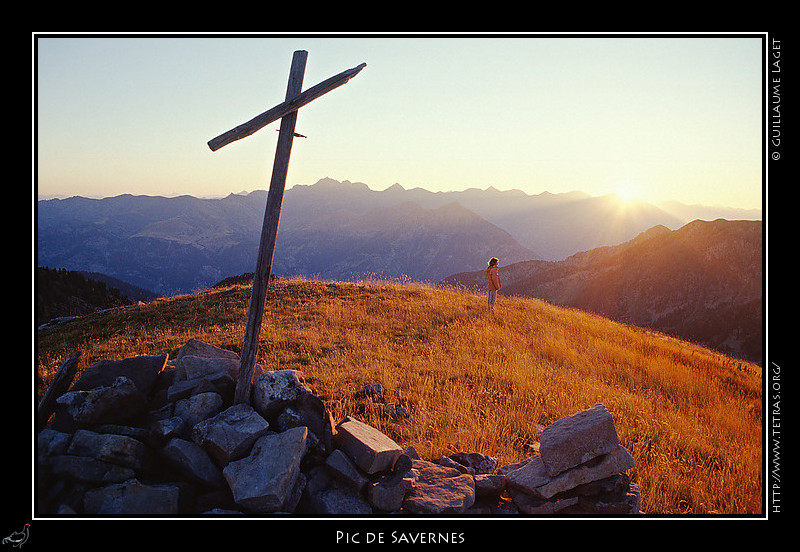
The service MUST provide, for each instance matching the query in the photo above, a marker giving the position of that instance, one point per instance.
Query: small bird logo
(18, 538)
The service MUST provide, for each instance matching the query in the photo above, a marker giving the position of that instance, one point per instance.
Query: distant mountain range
(703, 282)
(551, 226)
(693, 279)
(332, 229)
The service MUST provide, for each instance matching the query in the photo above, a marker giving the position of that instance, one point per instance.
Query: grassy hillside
(475, 382)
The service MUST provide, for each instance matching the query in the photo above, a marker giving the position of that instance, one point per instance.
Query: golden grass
(477, 382)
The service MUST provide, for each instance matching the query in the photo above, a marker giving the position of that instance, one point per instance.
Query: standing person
(492, 282)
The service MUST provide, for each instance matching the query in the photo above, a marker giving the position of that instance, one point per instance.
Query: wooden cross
(287, 113)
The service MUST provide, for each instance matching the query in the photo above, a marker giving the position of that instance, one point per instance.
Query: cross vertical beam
(269, 232)
(287, 112)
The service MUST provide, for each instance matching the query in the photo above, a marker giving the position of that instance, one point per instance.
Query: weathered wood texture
(287, 112)
(61, 382)
(269, 232)
(281, 110)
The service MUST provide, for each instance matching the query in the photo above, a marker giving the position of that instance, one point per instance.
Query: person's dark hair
(493, 261)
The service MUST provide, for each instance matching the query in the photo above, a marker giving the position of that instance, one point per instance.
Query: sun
(628, 192)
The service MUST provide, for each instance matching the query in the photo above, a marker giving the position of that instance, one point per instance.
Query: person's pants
(492, 298)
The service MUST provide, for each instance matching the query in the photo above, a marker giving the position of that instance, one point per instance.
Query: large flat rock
(369, 448)
(533, 478)
(439, 490)
(265, 480)
(142, 370)
(230, 434)
(132, 498)
(576, 439)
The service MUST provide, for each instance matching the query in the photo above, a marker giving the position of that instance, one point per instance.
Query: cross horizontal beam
(292, 104)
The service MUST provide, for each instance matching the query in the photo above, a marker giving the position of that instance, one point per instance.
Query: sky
(652, 117)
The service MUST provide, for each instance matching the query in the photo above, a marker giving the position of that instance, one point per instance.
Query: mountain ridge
(178, 245)
(335, 230)
(182, 244)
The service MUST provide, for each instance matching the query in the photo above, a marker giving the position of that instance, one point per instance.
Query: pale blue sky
(668, 118)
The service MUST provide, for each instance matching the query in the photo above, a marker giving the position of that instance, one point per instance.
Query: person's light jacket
(492, 278)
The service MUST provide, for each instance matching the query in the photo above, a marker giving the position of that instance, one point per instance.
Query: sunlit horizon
(630, 116)
(628, 195)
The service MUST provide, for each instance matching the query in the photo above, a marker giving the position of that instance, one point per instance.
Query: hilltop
(702, 282)
(470, 382)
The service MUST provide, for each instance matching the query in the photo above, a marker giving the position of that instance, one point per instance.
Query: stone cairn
(148, 435)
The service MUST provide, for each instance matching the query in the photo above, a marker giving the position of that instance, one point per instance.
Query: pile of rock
(580, 468)
(148, 435)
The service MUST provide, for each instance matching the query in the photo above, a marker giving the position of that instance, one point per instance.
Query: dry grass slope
(473, 382)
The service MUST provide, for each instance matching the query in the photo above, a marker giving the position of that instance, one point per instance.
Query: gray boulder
(83, 469)
(479, 463)
(265, 480)
(197, 367)
(338, 500)
(197, 348)
(50, 442)
(132, 497)
(341, 467)
(115, 449)
(489, 485)
(309, 411)
(199, 407)
(118, 403)
(193, 462)
(533, 478)
(610, 496)
(163, 430)
(141, 370)
(229, 435)
(528, 504)
(576, 439)
(370, 449)
(275, 390)
(439, 490)
(198, 374)
(387, 494)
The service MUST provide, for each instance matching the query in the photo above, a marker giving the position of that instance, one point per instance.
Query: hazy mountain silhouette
(166, 245)
(553, 226)
(181, 244)
(330, 229)
(403, 240)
